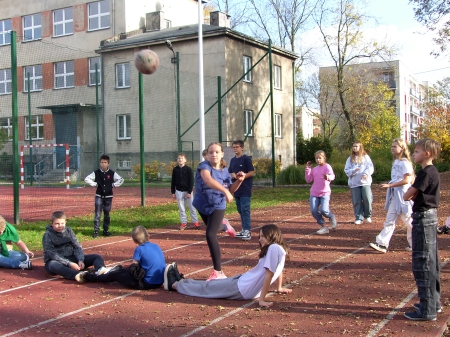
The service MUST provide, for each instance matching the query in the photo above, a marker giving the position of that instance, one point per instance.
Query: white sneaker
(246, 236)
(26, 265)
(358, 222)
(369, 220)
(323, 230)
(409, 249)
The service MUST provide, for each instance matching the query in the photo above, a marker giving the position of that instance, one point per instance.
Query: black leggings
(214, 224)
(124, 277)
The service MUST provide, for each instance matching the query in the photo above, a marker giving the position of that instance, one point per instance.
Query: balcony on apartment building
(414, 93)
(413, 126)
(415, 110)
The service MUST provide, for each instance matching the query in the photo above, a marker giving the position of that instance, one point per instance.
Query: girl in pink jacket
(320, 192)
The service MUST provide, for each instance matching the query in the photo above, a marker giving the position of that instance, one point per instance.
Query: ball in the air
(146, 61)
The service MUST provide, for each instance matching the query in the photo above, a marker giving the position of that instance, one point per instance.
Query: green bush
(263, 167)
(292, 175)
(152, 170)
(307, 147)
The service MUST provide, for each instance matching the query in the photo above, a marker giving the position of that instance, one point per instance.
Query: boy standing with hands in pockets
(425, 192)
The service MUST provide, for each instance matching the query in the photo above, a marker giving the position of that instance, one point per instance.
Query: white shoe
(358, 222)
(369, 220)
(323, 230)
(409, 249)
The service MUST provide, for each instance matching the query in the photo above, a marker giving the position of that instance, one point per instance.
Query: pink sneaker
(216, 275)
(230, 230)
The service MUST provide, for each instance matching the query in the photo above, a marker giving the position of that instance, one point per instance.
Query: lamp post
(176, 60)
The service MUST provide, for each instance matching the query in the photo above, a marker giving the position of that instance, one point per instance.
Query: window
(35, 78)
(278, 125)
(5, 32)
(124, 164)
(123, 127)
(247, 65)
(37, 127)
(64, 74)
(63, 22)
(92, 62)
(6, 126)
(168, 23)
(5, 81)
(248, 115)
(32, 29)
(277, 77)
(123, 75)
(98, 15)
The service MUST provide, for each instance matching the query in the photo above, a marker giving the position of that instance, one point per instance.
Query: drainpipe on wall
(113, 19)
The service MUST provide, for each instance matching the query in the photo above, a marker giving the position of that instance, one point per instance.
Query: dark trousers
(102, 205)
(425, 261)
(124, 277)
(54, 267)
(214, 224)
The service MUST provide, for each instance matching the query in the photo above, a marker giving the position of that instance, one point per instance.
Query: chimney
(219, 19)
(154, 21)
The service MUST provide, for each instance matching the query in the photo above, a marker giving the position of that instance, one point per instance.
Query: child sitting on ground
(11, 258)
(63, 254)
(147, 270)
(252, 284)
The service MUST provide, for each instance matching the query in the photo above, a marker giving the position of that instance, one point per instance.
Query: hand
(308, 164)
(385, 185)
(240, 176)
(357, 169)
(30, 254)
(74, 266)
(173, 195)
(364, 177)
(325, 176)
(188, 195)
(263, 303)
(284, 291)
(81, 264)
(229, 196)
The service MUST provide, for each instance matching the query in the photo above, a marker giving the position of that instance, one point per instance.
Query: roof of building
(176, 34)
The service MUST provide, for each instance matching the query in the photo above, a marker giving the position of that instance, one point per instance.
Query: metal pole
(141, 137)
(219, 106)
(177, 60)
(200, 80)
(97, 117)
(272, 117)
(15, 129)
(29, 129)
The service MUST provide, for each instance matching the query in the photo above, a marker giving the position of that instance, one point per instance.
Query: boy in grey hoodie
(63, 254)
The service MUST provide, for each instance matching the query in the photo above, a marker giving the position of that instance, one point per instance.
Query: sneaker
(323, 230)
(369, 220)
(170, 277)
(333, 222)
(80, 277)
(106, 270)
(95, 234)
(417, 316)
(216, 275)
(196, 225)
(240, 234)
(106, 233)
(183, 226)
(358, 222)
(443, 230)
(178, 275)
(408, 249)
(26, 265)
(417, 307)
(229, 229)
(246, 236)
(378, 247)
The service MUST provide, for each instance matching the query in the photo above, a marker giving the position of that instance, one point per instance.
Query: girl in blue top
(213, 189)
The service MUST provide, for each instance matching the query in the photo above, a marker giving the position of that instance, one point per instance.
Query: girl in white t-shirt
(252, 284)
(402, 176)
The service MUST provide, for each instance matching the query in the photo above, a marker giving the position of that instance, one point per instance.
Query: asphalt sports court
(340, 285)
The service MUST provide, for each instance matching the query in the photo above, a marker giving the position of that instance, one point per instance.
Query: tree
(434, 15)
(341, 25)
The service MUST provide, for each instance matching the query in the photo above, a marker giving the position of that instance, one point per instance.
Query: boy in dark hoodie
(63, 254)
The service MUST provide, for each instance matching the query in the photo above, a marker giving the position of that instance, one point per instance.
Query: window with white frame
(6, 126)
(277, 77)
(64, 75)
(98, 15)
(5, 81)
(37, 127)
(63, 21)
(248, 115)
(278, 125)
(35, 73)
(5, 32)
(124, 164)
(32, 29)
(92, 62)
(247, 60)
(123, 75)
(123, 127)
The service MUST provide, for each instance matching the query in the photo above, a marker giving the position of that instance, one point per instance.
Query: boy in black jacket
(104, 179)
(181, 188)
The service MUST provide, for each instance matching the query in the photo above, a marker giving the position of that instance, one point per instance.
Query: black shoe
(106, 233)
(443, 230)
(417, 306)
(89, 277)
(417, 316)
(170, 277)
(95, 234)
(177, 273)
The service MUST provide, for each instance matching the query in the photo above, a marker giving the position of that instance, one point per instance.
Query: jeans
(56, 268)
(13, 260)
(102, 205)
(243, 207)
(124, 277)
(324, 203)
(362, 201)
(181, 199)
(425, 261)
